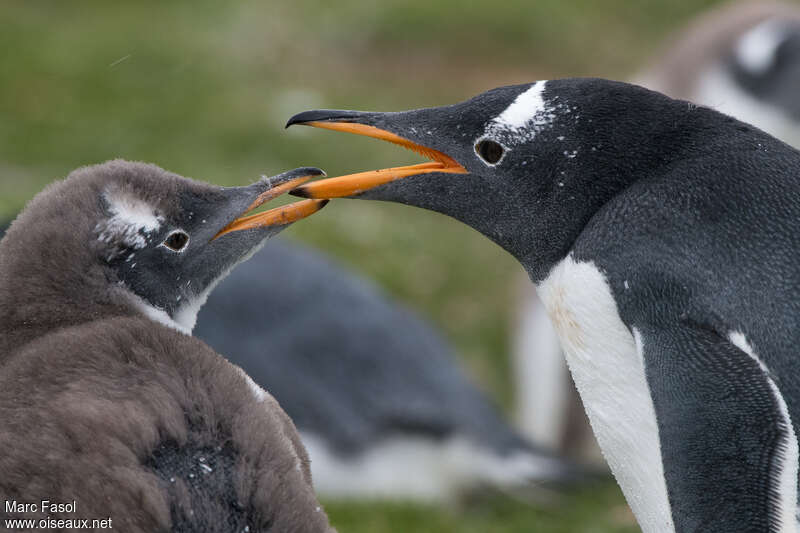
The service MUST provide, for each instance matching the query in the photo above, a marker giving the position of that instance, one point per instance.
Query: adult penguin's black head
(125, 237)
(526, 165)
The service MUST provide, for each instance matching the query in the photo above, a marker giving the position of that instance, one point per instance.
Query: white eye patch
(130, 220)
(528, 114)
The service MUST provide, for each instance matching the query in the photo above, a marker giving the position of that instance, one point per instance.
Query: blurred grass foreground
(203, 89)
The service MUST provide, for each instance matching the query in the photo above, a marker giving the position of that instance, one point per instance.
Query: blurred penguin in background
(742, 59)
(380, 400)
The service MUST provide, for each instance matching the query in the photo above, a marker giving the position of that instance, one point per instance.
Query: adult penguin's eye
(177, 240)
(490, 151)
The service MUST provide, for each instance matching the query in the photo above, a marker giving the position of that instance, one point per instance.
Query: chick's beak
(278, 216)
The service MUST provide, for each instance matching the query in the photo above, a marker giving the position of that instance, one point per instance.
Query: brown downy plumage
(104, 398)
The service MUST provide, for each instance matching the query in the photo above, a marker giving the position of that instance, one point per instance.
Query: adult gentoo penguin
(106, 403)
(663, 238)
(741, 58)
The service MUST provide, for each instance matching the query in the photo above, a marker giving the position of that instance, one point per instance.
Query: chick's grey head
(132, 236)
(526, 165)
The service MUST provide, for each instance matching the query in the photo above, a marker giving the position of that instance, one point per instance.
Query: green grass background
(203, 88)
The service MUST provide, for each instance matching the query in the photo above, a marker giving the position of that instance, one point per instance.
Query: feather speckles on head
(129, 223)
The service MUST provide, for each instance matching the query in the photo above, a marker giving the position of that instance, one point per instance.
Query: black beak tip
(300, 192)
(314, 171)
(324, 115)
(301, 173)
(296, 119)
(270, 182)
(310, 116)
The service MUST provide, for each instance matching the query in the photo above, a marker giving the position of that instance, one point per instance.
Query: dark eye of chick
(490, 151)
(177, 240)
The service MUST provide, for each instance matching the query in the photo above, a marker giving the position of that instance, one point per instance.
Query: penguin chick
(106, 401)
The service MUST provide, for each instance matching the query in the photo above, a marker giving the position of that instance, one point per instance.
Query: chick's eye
(490, 151)
(177, 240)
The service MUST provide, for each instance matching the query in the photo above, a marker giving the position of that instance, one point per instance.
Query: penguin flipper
(728, 446)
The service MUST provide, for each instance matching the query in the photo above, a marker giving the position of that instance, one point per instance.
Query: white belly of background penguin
(665, 241)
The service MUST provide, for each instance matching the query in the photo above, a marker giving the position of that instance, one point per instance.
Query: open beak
(353, 184)
(279, 216)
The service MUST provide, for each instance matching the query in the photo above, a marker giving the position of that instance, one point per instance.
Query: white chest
(606, 363)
